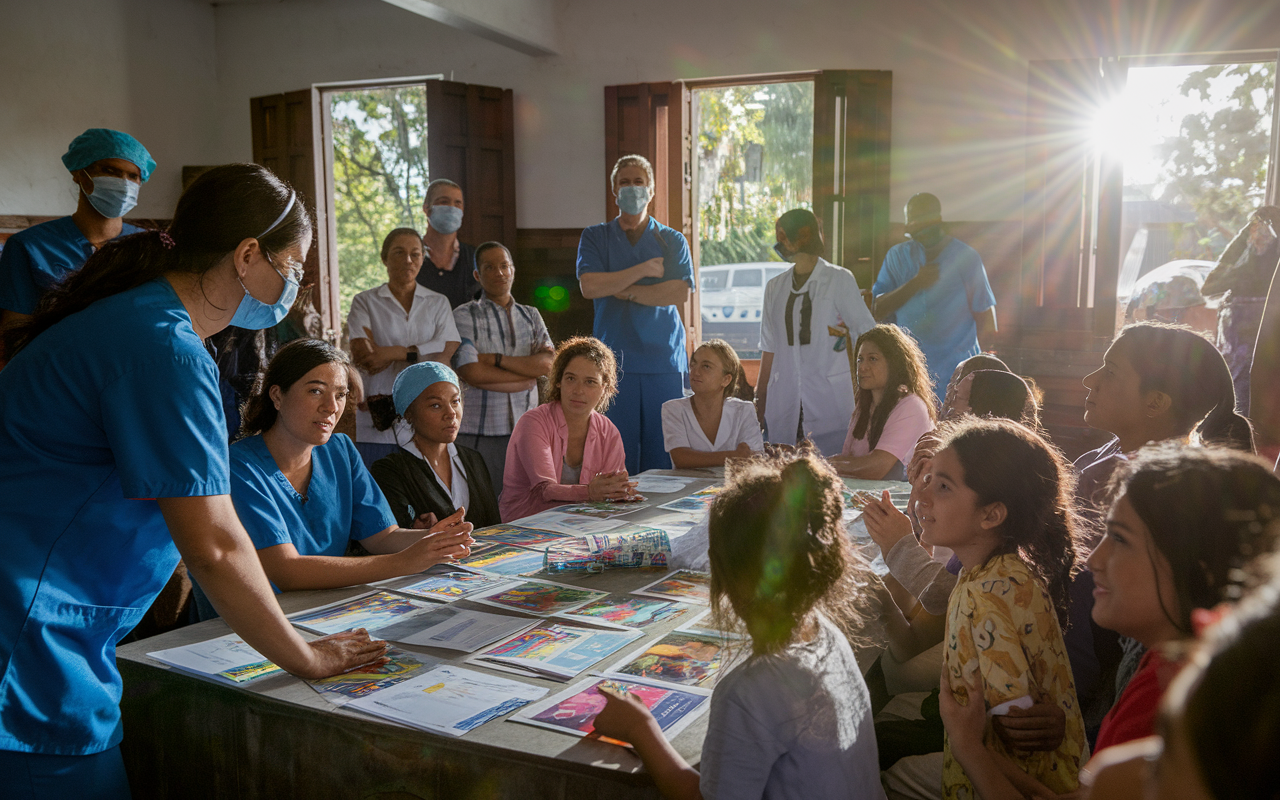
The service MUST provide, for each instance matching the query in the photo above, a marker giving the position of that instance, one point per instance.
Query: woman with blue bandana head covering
(107, 167)
(432, 477)
(303, 493)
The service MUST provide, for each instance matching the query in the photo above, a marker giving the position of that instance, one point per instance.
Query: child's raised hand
(624, 716)
(885, 523)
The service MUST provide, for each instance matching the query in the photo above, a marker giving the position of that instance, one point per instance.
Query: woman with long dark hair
(113, 455)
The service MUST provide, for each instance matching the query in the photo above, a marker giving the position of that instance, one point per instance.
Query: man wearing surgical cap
(431, 476)
(107, 168)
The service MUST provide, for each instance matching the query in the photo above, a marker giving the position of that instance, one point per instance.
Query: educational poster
(522, 537)
(504, 559)
(542, 599)
(683, 585)
(342, 689)
(369, 611)
(452, 585)
(449, 700)
(574, 710)
(684, 658)
(697, 502)
(226, 659)
(558, 651)
(628, 612)
(454, 628)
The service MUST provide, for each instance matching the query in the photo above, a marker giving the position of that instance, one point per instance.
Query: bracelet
(497, 359)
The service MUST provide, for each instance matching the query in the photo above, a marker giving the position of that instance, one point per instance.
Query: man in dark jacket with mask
(936, 287)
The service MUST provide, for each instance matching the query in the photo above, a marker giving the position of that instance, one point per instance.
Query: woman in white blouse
(712, 425)
(397, 324)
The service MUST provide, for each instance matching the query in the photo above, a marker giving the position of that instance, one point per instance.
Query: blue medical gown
(114, 405)
(941, 316)
(35, 260)
(646, 339)
(343, 502)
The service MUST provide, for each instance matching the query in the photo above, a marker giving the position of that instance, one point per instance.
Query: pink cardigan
(531, 480)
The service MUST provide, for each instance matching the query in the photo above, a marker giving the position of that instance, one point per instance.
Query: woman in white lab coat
(805, 387)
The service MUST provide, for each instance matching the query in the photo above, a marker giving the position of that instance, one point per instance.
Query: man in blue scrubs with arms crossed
(936, 287)
(108, 167)
(638, 272)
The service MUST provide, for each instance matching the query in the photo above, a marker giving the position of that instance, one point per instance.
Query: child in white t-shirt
(794, 720)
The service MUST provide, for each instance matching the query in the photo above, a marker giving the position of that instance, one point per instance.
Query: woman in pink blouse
(894, 406)
(565, 450)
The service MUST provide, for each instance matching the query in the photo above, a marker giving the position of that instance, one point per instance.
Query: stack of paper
(449, 700)
(342, 689)
(226, 660)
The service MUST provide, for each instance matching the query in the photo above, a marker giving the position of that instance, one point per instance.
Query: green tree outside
(379, 177)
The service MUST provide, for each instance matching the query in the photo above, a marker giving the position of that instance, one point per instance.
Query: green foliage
(736, 219)
(379, 177)
(1218, 162)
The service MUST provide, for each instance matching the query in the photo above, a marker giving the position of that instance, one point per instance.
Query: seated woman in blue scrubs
(303, 493)
(432, 476)
(113, 459)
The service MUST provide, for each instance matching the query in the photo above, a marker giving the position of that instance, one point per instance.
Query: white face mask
(112, 197)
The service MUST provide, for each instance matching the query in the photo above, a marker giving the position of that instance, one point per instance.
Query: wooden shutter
(851, 128)
(652, 120)
(471, 141)
(284, 141)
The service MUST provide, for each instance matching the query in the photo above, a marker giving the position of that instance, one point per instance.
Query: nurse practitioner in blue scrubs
(113, 463)
(638, 273)
(108, 167)
(302, 491)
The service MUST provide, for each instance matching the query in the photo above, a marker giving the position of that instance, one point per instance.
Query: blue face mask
(633, 200)
(783, 253)
(254, 315)
(446, 219)
(112, 197)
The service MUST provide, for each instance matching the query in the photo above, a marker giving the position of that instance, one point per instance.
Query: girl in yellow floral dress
(1000, 497)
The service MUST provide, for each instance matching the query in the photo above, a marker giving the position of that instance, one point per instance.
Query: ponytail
(222, 208)
(1188, 367)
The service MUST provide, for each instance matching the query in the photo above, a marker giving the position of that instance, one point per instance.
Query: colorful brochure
(226, 659)
(557, 651)
(684, 585)
(505, 559)
(627, 612)
(342, 689)
(540, 597)
(603, 510)
(450, 585)
(682, 658)
(449, 700)
(454, 628)
(697, 502)
(574, 710)
(369, 611)
(514, 534)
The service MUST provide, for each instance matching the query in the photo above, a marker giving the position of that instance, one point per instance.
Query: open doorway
(1196, 143)
(753, 161)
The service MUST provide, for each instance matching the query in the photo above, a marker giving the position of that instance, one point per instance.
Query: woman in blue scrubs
(113, 460)
(302, 492)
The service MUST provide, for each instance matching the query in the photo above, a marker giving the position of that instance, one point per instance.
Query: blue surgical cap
(416, 378)
(96, 144)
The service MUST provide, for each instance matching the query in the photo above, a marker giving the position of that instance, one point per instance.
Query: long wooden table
(190, 738)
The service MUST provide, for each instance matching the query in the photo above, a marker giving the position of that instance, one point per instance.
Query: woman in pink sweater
(566, 451)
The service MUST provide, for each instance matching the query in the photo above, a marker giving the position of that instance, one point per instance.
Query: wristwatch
(411, 356)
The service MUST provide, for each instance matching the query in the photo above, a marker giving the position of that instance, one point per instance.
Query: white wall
(141, 66)
(959, 70)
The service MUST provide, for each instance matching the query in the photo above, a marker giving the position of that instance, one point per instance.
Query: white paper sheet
(572, 524)
(661, 484)
(449, 700)
(226, 659)
(454, 629)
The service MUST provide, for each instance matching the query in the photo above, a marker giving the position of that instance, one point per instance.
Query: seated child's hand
(1040, 727)
(624, 716)
(885, 523)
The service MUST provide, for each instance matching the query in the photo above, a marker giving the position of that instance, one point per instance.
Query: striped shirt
(486, 327)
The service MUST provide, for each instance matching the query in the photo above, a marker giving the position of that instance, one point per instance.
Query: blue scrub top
(646, 339)
(940, 317)
(343, 502)
(115, 404)
(35, 260)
